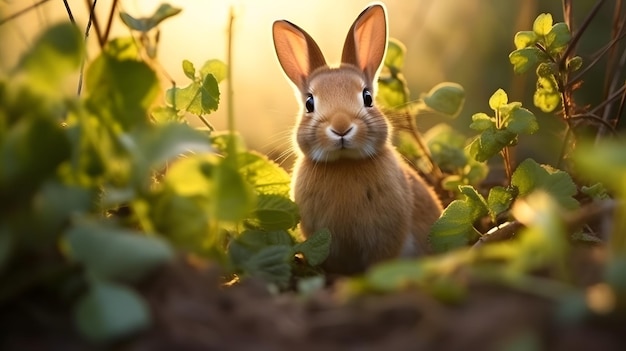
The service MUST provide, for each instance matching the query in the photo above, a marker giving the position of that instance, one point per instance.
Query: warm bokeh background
(447, 40)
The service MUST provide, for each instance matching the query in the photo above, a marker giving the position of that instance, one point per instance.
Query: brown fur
(348, 177)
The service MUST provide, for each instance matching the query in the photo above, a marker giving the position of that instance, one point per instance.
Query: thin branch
(597, 119)
(21, 12)
(610, 99)
(93, 18)
(596, 57)
(572, 44)
(82, 64)
(107, 31)
(69, 11)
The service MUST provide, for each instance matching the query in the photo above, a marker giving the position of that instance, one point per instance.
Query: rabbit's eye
(309, 104)
(367, 98)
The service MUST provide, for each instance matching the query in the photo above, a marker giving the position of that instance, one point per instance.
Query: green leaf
(110, 311)
(558, 38)
(574, 64)
(596, 191)
(115, 253)
(525, 59)
(499, 200)
(233, 196)
(603, 162)
(146, 24)
(123, 48)
(165, 114)
(191, 175)
(498, 99)
(121, 91)
(154, 146)
(481, 122)
(525, 39)
(189, 69)
(196, 98)
(316, 248)
(521, 121)
(392, 92)
(272, 264)
(274, 212)
(547, 96)
(184, 221)
(531, 176)
(446, 147)
(543, 24)
(263, 174)
(216, 68)
(394, 57)
(54, 55)
(489, 143)
(546, 69)
(31, 152)
(396, 275)
(446, 98)
(455, 227)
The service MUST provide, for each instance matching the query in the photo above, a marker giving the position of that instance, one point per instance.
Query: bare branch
(21, 12)
(572, 44)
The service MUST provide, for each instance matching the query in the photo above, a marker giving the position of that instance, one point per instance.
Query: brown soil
(192, 311)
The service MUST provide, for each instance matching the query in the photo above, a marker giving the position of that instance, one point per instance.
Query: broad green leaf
(315, 248)
(525, 39)
(489, 143)
(54, 55)
(210, 94)
(394, 57)
(163, 12)
(392, 93)
(196, 98)
(189, 69)
(190, 176)
(521, 121)
(543, 24)
(274, 212)
(604, 162)
(455, 227)
(233, 197)
(165, 114)
(446, 98)
(397, 275)
(476, 172)
(499, 200)
(547, 96)
(110, 312)
(154, 146)
(251, 241)
(525, 59)
(498, 99)
(481, 122)
(216, 68)
(183, 220)
(121, 91)
(109, 252)
(30, 152)
(123, 48)
(558, 38)
(531, 176)
(263, 174)
(446, 147)
(272, 264)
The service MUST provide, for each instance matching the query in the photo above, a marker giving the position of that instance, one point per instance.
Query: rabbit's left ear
(366, 42)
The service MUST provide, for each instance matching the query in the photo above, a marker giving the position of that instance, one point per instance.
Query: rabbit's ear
(297, 52)
(367, 40)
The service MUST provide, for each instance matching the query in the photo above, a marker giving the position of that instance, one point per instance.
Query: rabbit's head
(339, 118)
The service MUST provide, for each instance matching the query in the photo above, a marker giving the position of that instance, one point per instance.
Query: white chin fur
(319, 155)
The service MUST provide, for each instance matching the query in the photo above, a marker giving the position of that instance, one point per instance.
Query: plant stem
(21, 12)
(82, 63)
(231, 147)
(435, 170)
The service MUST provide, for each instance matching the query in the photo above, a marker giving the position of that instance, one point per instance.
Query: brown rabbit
(348, 177)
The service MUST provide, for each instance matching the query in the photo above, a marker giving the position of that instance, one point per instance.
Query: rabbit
(347, 176)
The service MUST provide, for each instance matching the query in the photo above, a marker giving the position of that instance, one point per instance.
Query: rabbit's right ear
(297, 52)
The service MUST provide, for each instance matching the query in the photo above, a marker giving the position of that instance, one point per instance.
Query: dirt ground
(193, 311)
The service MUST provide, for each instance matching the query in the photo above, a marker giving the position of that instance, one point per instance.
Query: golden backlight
(435, 33)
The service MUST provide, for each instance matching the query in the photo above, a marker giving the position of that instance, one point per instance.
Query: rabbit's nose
(342, 133)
